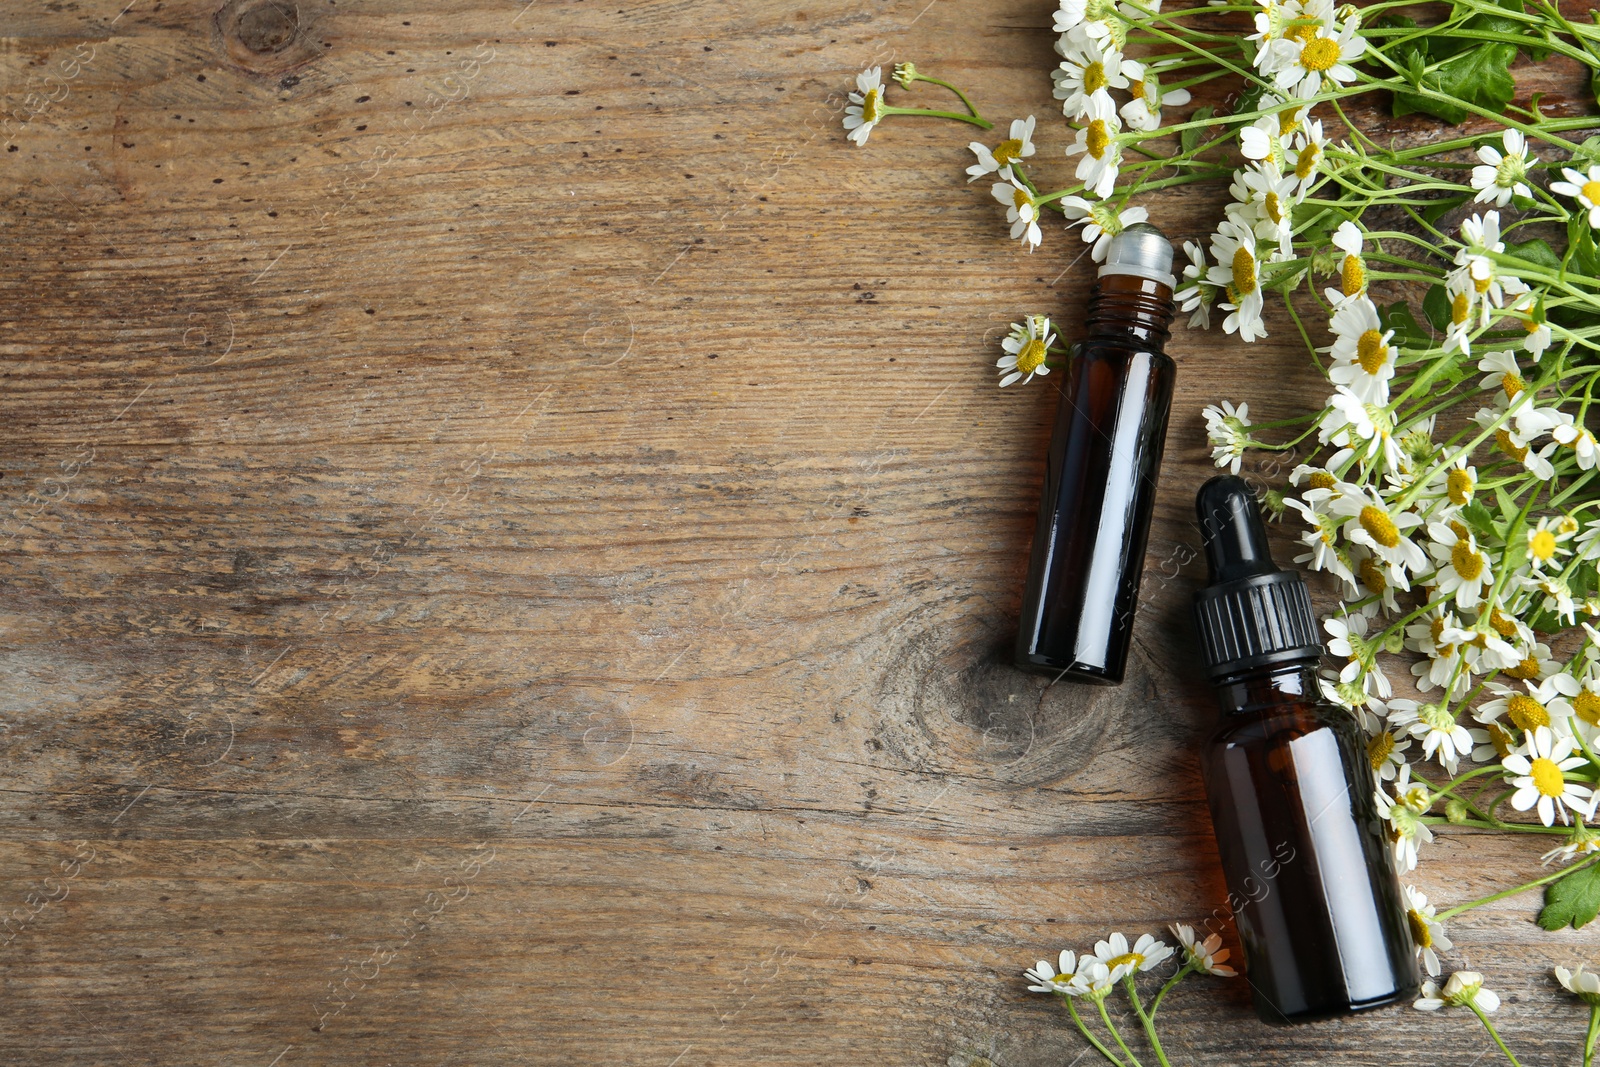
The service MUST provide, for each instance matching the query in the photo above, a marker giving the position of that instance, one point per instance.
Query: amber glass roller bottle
(1100, 472)
(1311, 878)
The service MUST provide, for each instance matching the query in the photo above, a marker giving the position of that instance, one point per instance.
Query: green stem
(929, 113)
(939, 81)
(1489, 1026)
(1084, 1029)
(1546, 880)
(1105, 1017)
(1147, 1022)
(1589, 1038)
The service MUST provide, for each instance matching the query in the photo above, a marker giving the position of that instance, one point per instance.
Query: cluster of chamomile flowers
(1095, 974)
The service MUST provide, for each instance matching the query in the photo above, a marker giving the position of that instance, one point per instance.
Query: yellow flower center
(1500, 739)
(1135, 958)
(1371, 352)
(1527, 670)
(1542, 544)
(1377, 523)
(1303, 34)
(1460, 304)
(1531, 326)
(869, 105)
(1288, 121)
(1512, 383)
(1591, 192)
(1458, 486)
(1547, 777)
(1459, 529)
(1096, 138)
(1503, 624)
(1586, 706)
(1020, 199)
(1466, 562)
(1320, 54)
(1322, 480)
(1419, 930)
(1380, 748)
(1274, 207)
(1244, 271)
(1352, 275)
(1436, 630)
(1136, 88)
(1526, 712)
(1006, 151)
(1482, 284)
(1031, 358)
(1372, 576)
(1094, 77)
(1306, 165)
(1509, 446)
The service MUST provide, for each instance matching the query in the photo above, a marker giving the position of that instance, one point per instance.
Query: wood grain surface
(510, 541)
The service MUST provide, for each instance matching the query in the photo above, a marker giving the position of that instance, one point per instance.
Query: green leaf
(1536, 251)
(1190, 138)
(1436, 306)
(1479, 76)
(1508, 506)
(1408, 332)
(1573, 900)
(1479, 520)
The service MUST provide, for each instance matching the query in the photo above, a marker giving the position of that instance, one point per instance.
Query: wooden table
(511, 541)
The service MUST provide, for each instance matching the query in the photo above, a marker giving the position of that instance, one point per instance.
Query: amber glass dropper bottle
(1311, 877)
(1100, 472)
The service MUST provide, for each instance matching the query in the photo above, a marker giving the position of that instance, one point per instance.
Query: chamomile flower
(1363, 357)
(1305, 158)
(1322, 540)
(1100, 144)
(1427, 933)
(1582, 841)
(1094, 979)
(1538, 774)
(1541, 705)
(1386, 753)
(1057, 979)
(1237, 272)
(1301, 63)
(865, 109)
(1403, 811)
(1546, 541)
(1352, 268)
(1122, 960)
(1026, 348)
(1206, 956)
(1347, 639)
(1372, 577)
(1143, 112)
(1370, 521)
(1502, 175)
(1502, 373)
(1197, 293)
(998, 160)
(1266, 198)
(1101, 221)
(1584, 188)
(1476, 271)
(1578, 438)
(1228, 428)
(1098, 20)
(1460, 481)
(1261, 142)
(1437, 728)
(1585, 985)
(1462, 988)
(1351, 421)
(1021, 211)
(1270, 23)
(1089, 70)
(1463, 569)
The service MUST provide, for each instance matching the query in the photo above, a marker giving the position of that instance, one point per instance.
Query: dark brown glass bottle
(1100, 472)
(1311, 878)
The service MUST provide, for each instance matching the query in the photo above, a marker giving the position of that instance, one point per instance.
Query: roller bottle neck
(1126, 307)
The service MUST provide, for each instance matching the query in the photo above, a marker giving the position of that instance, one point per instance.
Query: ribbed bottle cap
(1251, 615)
(1143, 251)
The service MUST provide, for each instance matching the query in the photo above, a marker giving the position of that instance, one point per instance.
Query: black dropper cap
(1251, 615)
